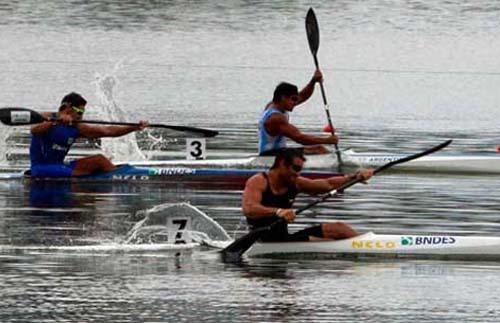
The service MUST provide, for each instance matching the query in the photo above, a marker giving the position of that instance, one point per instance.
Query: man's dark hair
(288, 154)
(284, 89)
(72, 99)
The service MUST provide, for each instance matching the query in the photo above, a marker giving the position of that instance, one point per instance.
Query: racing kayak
(445, 247)
(127, 173)
(484, 163)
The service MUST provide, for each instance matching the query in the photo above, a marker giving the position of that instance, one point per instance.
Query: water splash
(121, 148)
(6, 134)
(175, 223)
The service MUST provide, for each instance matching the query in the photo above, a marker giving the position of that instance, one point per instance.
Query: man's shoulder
(52, 115)
(256, 180)
(276, 117)
(260, 176)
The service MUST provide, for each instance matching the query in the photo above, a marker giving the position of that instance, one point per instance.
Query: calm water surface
(399, 76)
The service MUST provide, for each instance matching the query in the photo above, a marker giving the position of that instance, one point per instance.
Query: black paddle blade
(235, 250)
(312, 31)
(20, 116)
(192, 131)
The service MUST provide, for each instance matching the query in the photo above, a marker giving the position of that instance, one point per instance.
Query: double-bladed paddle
(17, 116)
(235, 250)
(312, 30)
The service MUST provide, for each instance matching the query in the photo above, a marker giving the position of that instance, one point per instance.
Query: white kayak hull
(324, 162)
(437, 163)
(485, 163)
(387, 246)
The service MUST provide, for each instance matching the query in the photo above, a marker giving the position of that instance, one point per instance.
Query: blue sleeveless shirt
(266, 141)
(52, 146)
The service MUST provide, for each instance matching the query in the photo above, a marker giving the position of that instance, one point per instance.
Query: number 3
(195, 148)
(196, 152)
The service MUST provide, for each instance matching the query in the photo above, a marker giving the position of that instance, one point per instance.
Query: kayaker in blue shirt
(51, 141)
(274, 126)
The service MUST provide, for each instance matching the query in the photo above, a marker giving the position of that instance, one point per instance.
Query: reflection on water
(166, 286)
(83, 288)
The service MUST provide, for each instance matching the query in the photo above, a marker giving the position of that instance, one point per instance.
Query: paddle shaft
(205, 132)
(323, 94)
(120, 123)
(327, 110)
(312, 30)
(18, 116)
(376, 171)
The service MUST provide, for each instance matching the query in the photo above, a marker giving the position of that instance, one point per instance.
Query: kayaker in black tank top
(280, 201)
(263, 207)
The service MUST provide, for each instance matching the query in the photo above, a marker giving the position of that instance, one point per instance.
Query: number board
(178, 230)
(196, 148)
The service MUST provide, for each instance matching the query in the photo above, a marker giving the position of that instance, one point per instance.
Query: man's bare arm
(252, 198)
(319, 186)
(278, 124)
(41, 128)
(91, 131)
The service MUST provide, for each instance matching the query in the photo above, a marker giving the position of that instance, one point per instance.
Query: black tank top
(282, 201)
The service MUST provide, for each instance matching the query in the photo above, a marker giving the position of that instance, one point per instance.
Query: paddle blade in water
(20, 116)
(235, 250)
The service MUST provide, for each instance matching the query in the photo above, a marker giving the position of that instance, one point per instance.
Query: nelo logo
(373, 244)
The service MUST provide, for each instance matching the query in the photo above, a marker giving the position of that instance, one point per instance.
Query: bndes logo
(427, 240)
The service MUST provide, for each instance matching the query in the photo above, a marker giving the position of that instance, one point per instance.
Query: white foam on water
(157, 230)
(173, 223)
(103, 248)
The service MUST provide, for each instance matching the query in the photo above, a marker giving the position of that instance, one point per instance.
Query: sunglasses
(78, 111)
(296, 168)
